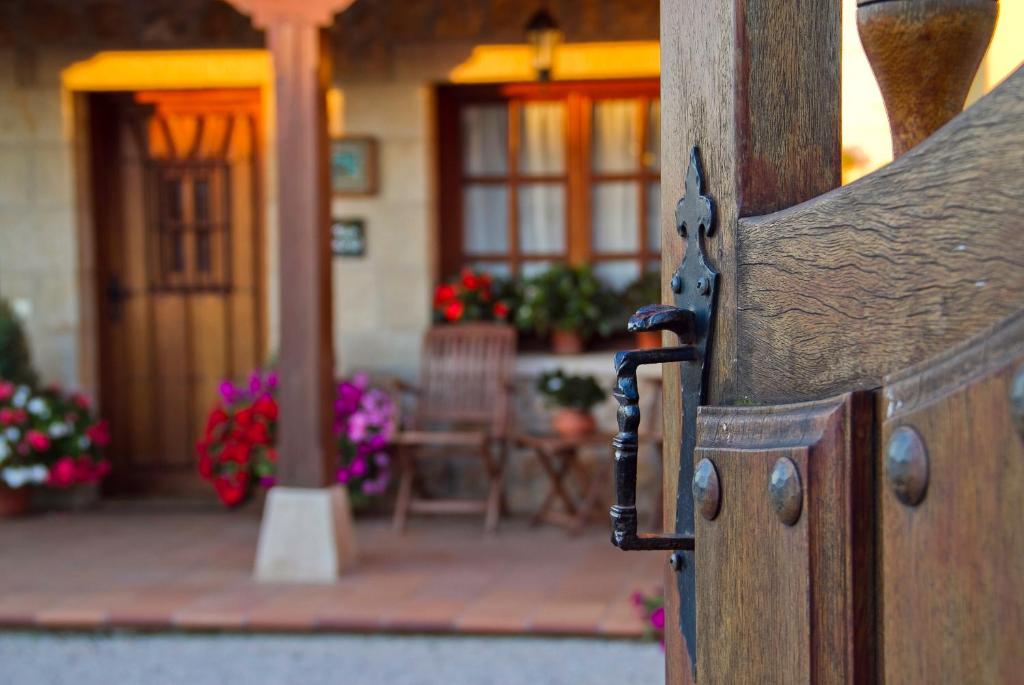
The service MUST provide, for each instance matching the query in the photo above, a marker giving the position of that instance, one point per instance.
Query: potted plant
(238, 452)
(49, 438)
(646, 289)
(475, 296)
(568, 303)
(573, 398)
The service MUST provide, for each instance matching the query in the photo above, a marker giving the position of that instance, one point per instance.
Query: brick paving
(132, 566)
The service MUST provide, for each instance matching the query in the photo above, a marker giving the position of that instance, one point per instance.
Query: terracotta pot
(648, 340)
(566, 342)
(573, 423)
(14, 502)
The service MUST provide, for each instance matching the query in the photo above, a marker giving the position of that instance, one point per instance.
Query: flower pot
(566, 342)
(14, 502)
(648, 340)
(573, 423)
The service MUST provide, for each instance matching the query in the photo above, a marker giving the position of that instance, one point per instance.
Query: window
(189, 225)
(537, 173)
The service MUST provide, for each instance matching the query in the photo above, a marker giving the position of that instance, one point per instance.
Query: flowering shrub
(652, 610)
(49, 437)
(474, 297)
(238, 448)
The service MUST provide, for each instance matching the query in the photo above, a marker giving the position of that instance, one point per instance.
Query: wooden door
(179, 233)
(860, 435)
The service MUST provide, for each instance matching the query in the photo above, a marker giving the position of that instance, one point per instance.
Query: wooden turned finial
(924, 54)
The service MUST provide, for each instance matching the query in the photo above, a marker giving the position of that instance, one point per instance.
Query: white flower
(17, 476)
(59, 429)
(37, 407)
(20, 396)
(84, 442)
(5, 451)
(12, 434)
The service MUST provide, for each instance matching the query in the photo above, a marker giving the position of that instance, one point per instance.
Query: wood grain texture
(778, 603)
(924, 54)
(306, 357)
(755, 85)
(837, 292)
(952, 568)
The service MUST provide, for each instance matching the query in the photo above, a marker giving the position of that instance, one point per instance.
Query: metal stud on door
(695, 284)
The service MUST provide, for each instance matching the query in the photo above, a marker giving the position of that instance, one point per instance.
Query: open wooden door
(845, 504)
(178, 218)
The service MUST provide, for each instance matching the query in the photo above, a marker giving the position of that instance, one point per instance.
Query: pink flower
(37, 441)
(99, 433)
(62, 474)
(358, 467)
(658, 618)
(80, 400)
(6, 390)
(343, 475)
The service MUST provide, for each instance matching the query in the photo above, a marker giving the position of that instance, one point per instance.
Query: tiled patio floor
(134, 566)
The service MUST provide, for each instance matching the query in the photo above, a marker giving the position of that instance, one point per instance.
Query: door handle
(116, 295)
(627, 440)
(695, 287)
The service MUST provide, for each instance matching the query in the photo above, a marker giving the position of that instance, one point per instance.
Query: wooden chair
(462, 407)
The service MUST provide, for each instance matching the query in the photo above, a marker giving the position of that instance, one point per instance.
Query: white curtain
(485, 139)
(542, 138)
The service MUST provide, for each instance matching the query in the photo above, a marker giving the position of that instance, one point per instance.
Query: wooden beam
(306, 349)
(755, 85)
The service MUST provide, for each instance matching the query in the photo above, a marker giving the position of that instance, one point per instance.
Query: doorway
(177, 197)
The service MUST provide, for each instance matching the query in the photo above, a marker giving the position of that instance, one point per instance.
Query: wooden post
(306, 350)
(306, 533)
(755, 85)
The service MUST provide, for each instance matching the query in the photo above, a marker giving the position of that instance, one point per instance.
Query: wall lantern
(543, 35)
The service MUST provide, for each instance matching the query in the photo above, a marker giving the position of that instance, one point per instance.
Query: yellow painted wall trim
(171, 69)
(573, 61)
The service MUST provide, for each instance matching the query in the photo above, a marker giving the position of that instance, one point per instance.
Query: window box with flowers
(238, 452)
(473, 297)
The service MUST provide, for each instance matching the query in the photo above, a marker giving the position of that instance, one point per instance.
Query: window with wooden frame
(537, 173)
(189, 225)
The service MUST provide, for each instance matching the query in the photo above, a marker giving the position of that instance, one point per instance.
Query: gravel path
(130, 659)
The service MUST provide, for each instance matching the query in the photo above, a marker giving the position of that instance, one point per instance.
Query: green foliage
(563, 390)
(646, 289)
(567, 299)
(15, 359)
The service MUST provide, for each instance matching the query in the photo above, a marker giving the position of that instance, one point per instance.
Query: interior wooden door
(865, 372)
(179, 234)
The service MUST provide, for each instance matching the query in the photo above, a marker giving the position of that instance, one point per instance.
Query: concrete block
(306, 536)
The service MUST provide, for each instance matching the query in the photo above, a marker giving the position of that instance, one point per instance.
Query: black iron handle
(627, 440)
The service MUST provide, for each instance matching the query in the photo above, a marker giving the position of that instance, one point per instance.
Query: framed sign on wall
(348, 237)
(353, 164)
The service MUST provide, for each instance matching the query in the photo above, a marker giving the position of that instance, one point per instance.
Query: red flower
(99, 433)
(237, 452)
(232, 489)
(266, 406)
(37, 441)
(500, 310)
(205, 462)
(443, 293)
(258, 434)
(244, 417)
(453, 310)
(12, 417)
(62, 473)
(271, 455)
(469, 279)
(6, 390)
(217, 417)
